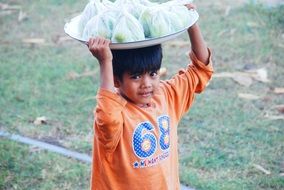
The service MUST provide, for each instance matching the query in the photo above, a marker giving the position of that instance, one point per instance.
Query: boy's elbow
(103, 118)
(203, 56)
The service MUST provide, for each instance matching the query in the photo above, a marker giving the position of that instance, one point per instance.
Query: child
(136, 118)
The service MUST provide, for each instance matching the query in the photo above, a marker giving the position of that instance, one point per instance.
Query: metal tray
(71, 28)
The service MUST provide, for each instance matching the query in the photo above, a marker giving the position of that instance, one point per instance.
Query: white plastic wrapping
(90, 10)
(100, 25)
(127, 29)
(132, 20)
(158, 21)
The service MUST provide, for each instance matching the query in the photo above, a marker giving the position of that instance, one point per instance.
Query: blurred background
(232, 138)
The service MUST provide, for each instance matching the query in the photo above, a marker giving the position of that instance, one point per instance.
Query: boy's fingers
(100, 40)
(95, 41)
(107, 42)
(190, 6)
(98, 45)
(91, 42)
(88, 43)
(93, 45)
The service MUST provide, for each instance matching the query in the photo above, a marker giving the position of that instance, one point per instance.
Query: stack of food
(132, 20)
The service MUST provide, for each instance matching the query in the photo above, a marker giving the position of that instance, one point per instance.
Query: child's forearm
(198, 44)
(106, 76)
(100, 49)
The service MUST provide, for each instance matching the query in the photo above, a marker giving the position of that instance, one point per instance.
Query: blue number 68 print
(145, 142)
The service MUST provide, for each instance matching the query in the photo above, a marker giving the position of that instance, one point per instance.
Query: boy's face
(139, 88)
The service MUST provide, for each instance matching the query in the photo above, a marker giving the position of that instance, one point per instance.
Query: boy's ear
(116, 82)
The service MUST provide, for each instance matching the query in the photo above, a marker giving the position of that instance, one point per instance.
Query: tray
(71, 28)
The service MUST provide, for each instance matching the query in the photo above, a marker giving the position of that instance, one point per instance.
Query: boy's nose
(146, 82)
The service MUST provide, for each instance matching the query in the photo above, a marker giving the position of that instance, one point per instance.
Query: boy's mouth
(146, 94)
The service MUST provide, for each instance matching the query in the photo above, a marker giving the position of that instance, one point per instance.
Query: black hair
(136, 61)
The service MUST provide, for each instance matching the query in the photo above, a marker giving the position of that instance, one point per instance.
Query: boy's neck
(147, 105)
(144, 105)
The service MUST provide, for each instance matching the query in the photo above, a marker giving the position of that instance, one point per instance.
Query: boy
(136, 118)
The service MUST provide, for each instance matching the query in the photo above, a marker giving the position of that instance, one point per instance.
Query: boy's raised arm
(99, 47)
(198, 44)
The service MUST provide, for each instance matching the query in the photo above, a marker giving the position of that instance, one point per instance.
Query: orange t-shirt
(136, 148)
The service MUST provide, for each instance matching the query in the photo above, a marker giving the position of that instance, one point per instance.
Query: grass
(25, 167)
(222, 139)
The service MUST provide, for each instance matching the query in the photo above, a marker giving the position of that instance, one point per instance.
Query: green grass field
(226, 142)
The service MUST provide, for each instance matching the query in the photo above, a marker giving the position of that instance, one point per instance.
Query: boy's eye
(153, 73)
(135, 76)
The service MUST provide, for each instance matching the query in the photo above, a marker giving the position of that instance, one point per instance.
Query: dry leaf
(9, 7)
(73, 75)
(275, 112)
(259, 167)
(261, 75)
(253, 24)
(233, 31)
(248, 96)
(222, 32)
(227, 11)
(224, 75)
(273, 117)
(178, 43)
(90, 98)
(6, 12)
(40, 120)
(34, 40)
(88, 73)
(280, 108)
(3, 6)
(22, 16)
(62, 39)
(282, 167)
(226, 31)
(163, 71)
(278, 90)
(34, 149)
(281, 45)
(243, 80)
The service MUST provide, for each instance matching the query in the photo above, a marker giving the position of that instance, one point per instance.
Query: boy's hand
(99, 47)
(198, 45)
(190, 6)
